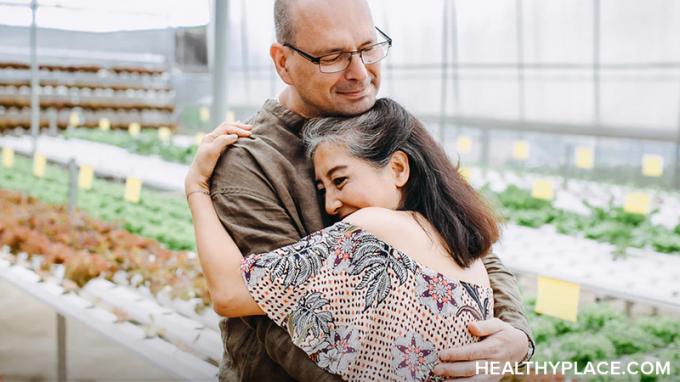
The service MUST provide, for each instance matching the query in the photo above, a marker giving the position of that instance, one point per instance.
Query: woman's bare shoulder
(382, 222)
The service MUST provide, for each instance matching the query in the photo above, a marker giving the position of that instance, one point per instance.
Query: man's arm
(253, 214)
(508, 304)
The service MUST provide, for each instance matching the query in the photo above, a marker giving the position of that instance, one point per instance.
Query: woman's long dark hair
(435, 187)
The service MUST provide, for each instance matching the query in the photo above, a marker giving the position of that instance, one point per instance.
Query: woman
(378, 294)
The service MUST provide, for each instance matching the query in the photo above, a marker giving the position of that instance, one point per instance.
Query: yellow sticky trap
(73, 119)
(164, 134)
(39, 163)
(465, 172)
(133, 189)
(104, 124)
(231, 117)
(7, 157)
(558, 298)
(134, 128)
(637, 203)
(199, 138)
(85, 177)
(520, 150)
(204, 114)
(584, 158)
(463, 145)
(652, 165)
(543, 189)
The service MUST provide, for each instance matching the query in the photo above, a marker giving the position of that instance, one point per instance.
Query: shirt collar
(291, 120)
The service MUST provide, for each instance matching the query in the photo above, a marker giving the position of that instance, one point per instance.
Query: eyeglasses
(337, 62)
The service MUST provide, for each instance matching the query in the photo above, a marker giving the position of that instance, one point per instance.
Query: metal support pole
(454, 62)
(596, 74)
(520, 60)
(628, 308)
(444, 69)
(35, 83)
(53, 129)
(485, 149)
(566, 165)
(676, 163)
(218, 111)
(61, 320)
(245, 61)
(61, 348)
(596, 63)
(73, 186)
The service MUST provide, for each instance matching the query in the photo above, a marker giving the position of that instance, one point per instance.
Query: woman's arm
(219, 256)
(220, 260)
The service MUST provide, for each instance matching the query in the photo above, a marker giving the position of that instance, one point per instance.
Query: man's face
(323, 27)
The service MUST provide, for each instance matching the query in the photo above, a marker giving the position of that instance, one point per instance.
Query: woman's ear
(400, 168)
(279, 57)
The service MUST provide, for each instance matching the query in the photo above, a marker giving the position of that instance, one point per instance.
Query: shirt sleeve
(507, 301)
(253, 215)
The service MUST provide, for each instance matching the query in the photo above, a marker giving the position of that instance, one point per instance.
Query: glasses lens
(335, 63)
(375, 53)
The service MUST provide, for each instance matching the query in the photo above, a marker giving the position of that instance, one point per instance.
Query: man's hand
(500, 343)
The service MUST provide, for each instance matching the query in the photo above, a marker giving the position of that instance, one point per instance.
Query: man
(263, 188)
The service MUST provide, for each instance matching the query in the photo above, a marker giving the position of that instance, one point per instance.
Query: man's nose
(356, 69)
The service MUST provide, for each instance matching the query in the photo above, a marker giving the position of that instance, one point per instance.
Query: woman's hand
(209, 152)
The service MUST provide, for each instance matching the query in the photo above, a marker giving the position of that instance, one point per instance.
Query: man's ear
(400, 168)
(279, 57)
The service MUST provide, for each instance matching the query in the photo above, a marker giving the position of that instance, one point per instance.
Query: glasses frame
(317, 60)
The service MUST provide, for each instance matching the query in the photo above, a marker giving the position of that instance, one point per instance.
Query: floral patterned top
(362, 309)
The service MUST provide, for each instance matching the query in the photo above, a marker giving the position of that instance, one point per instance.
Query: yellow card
(85, 177)
(39, 163)
(204, 114)
(133, 189)
(231, 116)
(652, 165)
(73, 119)
(520, 150)
(557, 298)
(104, 124)
(463, 145)
(465, 172)
(199, 138)
(164, 134)
(584, 158)
(637, 203)
(7, 157)
(543, 189)
(134, 129)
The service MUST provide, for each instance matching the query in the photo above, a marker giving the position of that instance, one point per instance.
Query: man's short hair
(283, 21)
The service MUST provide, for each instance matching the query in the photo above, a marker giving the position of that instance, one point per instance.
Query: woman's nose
(333, 204)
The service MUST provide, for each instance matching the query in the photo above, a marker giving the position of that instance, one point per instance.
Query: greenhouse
(550, 221)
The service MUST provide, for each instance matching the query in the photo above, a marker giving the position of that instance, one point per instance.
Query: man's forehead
(323, 22)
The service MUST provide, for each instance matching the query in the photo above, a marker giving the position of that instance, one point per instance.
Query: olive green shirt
(264, 192)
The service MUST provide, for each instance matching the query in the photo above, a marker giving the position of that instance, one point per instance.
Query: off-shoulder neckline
(418, 264)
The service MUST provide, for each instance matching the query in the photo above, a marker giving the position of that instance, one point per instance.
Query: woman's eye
(338, 182)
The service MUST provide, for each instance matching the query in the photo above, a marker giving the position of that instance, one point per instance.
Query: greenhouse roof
(106, 16)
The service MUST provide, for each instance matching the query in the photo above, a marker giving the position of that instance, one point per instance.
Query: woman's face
(351, 183)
